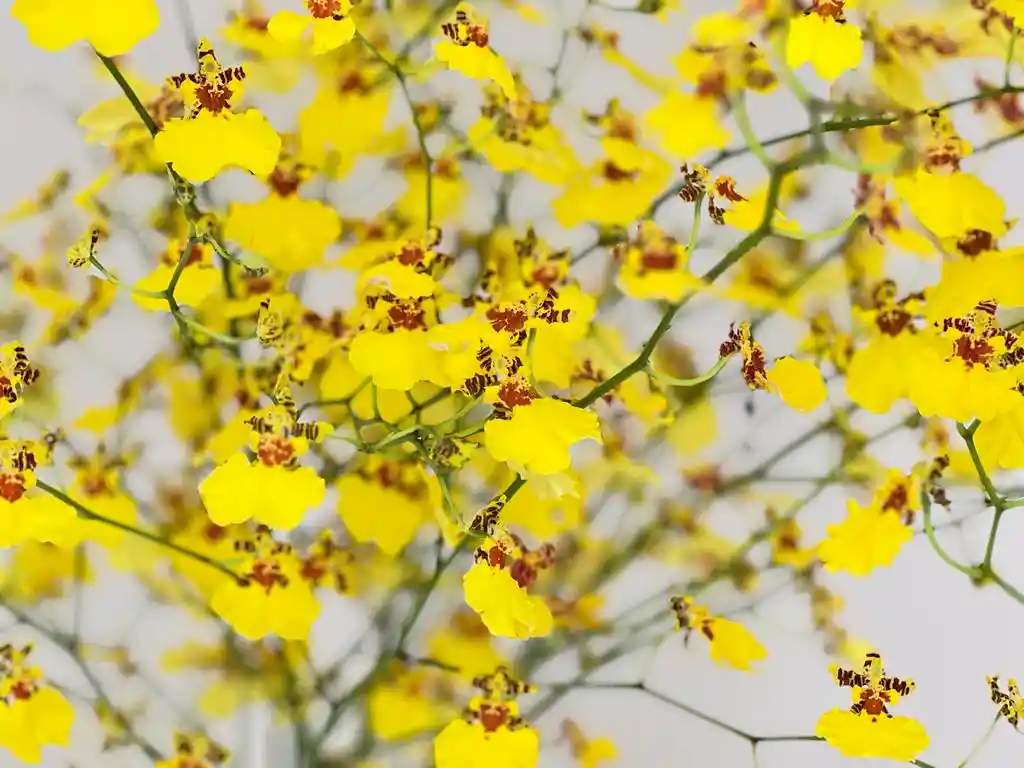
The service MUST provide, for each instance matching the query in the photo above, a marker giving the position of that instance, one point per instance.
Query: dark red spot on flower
(753, 368)
(259, 285)
(95, 484)
(353, 82)
(892, 322)
(612, 172)
(12, 486)
(711, 84)
(545, 275)
(313, 570)
(213, 532)
(407, 315)
(7, 390)
(511, 319)
(513, 392)
(214, 97)
(975, 242)
(284, 182)
(22, 690)
(274, 451)
(493, 715)
(659, 261)
(496, 557)
(726, 187)
(874, 706)
(972, 351)
(194, 256)
(323, 9)
(410, 254)
(267, 574)
(897, 499)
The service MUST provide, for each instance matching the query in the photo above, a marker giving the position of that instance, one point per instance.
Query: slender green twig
(70, 646)
(396, 652)
(750, 139)
(827, 234)
(129, 92)
(421, 135)
(929, 529)
(1010, 49)
(831, 126)
(695, 381)
(981, 742)
(87, 514)
(114, 280)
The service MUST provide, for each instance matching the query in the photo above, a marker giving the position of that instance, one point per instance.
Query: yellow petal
(117, 25)
(867, 539)
(201, 148)
(396, 360)
(288, 26)
(538, 436)
(291, 233)
(799, 384)
(329, 34)
(113, 27)
(897, 738)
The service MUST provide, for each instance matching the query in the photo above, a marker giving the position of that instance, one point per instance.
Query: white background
(927, 620)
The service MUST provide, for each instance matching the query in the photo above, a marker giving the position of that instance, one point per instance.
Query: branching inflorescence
(475, 406)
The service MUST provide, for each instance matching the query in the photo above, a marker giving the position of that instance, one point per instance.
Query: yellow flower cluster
(402, 408)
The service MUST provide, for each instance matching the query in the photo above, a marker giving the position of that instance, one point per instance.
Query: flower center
(614, 173)
(897, 498)
(493, 716)
(511, 319)
(214, 97)
(446, 168)
(892, 322)
(7, 390)
(353, 82)
(976, 242)
(275, 451)
(284, 182)
(513, 392)
(496, 557)
(659, 260)
(408, 315)
(324, 9)
(23, 689)
(973, 351)
(829, 9)
(213, 532)
(12, 486)
(195, 255)
(266, 573)
(95, 484)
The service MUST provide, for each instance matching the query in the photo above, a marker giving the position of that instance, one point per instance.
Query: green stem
(981, 742)
(396, 652)
(220, 338)
(967, 433)
(87, 514)
(831, 126)
(739, 112)
(694, 382)
(1008, 67)
(111, 278)
(838, 229)
(421, 135)
(929, 530)
(179, 268)
(129, 92)
(70, 646)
